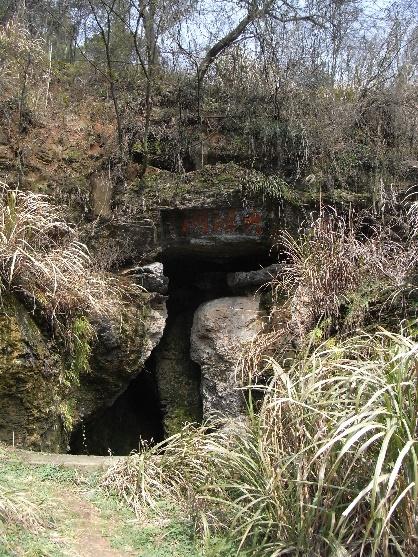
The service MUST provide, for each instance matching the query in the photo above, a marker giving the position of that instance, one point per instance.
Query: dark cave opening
(168, 388)
(198, 278)
(135, 415)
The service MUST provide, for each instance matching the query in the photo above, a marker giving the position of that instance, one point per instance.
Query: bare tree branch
(227, 40)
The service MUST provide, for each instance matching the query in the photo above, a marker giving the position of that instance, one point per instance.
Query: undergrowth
(326, 466)
(42, 259)
(348, 270)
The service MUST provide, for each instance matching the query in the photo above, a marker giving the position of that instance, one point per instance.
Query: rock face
(120, 353)
(211, 213)
(178, 377)
(151, 277)
(41, 401)
(32, 385)
(199, 222)
(220, 330)
(216, 232)
(251, 280)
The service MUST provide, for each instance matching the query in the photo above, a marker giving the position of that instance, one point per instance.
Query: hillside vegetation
(112, 111)
(323, 94)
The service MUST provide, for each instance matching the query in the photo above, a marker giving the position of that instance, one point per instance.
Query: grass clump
(340, 268)
(43, 260)
(327, 466)
(25, 517)
(16, 509)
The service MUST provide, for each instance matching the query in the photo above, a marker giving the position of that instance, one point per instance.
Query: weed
(328, 466)
(334, 267)
(42, 258)
(81, 337)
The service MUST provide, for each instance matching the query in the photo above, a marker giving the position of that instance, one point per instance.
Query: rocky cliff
(190, 242)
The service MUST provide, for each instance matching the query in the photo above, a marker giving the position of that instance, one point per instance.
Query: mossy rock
(31, 386)
(118, 352)
(177, 376)
(45, 392)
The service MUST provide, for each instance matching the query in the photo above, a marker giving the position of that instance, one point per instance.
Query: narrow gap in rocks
(166, 393)
(117, 429)
(195, 278)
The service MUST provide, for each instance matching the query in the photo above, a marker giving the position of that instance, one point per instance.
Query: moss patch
(31, 382)
(82, 335)
(178, 377)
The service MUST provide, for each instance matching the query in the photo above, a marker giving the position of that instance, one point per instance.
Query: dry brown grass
(23, 66)
(16, 509)
(42, 258)
(344, 264)
(342, 273)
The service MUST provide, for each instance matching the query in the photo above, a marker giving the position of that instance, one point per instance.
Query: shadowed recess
(117, 430)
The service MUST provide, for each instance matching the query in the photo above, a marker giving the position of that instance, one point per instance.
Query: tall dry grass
(23, 67)
(42, 258)
(326, 463)
(341, 264)
(15, 508)
(327, 466)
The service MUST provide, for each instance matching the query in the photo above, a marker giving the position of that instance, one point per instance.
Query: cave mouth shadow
(135, 417)
(138, 415)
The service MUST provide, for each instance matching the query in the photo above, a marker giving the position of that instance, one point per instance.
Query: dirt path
(81, 528)
(76, 517)
(89, 530)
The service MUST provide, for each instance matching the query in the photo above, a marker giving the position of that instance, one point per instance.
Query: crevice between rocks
(168, 391)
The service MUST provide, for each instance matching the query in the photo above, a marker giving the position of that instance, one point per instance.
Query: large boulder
(32, 383)
(119, 353)
(221, 329)
(43, 396)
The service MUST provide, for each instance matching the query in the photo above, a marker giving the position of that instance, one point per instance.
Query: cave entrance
(166, 393)
(135, 415)
(195, 278)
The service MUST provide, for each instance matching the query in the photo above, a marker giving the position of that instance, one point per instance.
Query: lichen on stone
(31, 387)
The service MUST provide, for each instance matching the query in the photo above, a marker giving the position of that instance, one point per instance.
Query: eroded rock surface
(151, 277)
(221, 328)
(32, 386)
(121, 349)
(251, 280)
(178, 377)
(41, 399)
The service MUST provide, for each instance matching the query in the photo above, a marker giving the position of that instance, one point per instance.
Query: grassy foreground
(51, 511)
(326, 466)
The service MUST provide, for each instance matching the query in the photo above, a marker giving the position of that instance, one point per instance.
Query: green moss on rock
(82, 335)
(42, 399)
(118, 353)
(31, 387)
(178, 377)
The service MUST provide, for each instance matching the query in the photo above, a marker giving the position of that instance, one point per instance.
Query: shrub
(327, 467)
(42, 258)
(342, 265)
